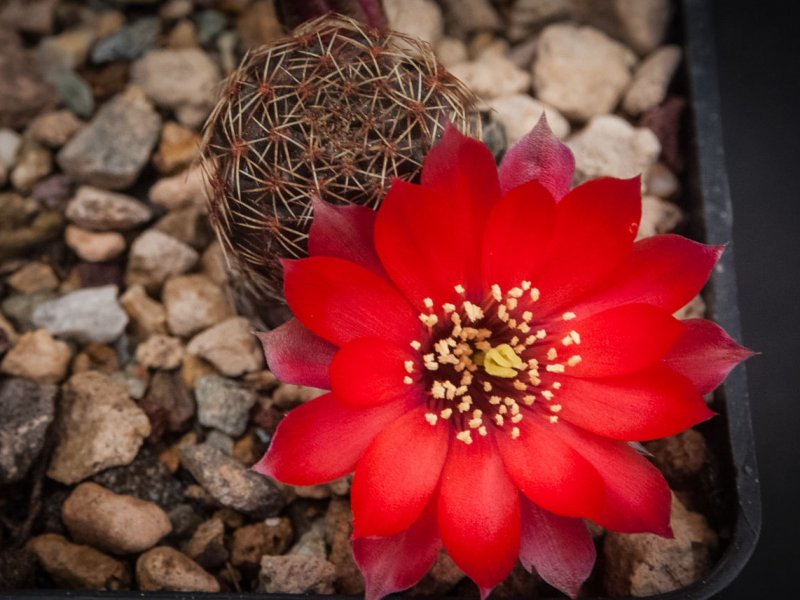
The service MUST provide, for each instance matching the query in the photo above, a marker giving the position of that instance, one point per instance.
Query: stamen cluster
(486, 364)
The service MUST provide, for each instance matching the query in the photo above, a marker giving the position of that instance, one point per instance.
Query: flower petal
(464, 167)
(295, 355)
(664, 270)
(370, 371)
(653, 403)
(479, 512)
(346, 232)
(705, 354)
(391, 564)
(548, 470)
(429, 241)
(539, 156)
(637, 498)
(623, 340)
(559, 548)
(323, 439)
(517, 235)
(341, 301)
(398, 474)
(595, 226)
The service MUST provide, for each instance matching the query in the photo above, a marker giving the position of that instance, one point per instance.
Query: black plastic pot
(730, 435)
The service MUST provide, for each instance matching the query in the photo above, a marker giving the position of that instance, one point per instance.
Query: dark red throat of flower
(486, 365)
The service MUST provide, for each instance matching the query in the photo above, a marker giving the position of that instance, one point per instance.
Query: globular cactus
(337, 109)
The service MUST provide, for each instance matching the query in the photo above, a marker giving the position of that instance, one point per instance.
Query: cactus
(338, 110)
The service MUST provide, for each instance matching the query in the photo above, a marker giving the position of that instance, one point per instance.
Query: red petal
(637, 497)
(391, 564)
(398, 474)
(559, 548)
(295, 355)
(323, 439)
(429, 241)
(346, 232)
(517, 235)
(705, 354)
(479, 512)
(664, 270)
(595, 226)
(464, 167)
(548, 470)
(654, 403)
(538, 156)
(623, 340)
(370, 371)
(341, 301)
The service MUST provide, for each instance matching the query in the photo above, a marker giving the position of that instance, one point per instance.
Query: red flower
(491, 345)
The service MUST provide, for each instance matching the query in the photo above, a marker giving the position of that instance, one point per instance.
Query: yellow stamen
(502, 361)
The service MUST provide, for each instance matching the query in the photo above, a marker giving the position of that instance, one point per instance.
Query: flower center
(492, 364)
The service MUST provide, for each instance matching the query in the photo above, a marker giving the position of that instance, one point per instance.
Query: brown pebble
(165, 569)
(250, 543)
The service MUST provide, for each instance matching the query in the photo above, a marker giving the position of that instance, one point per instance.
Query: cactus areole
(336, 110)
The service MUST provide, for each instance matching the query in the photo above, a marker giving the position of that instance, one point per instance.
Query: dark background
(758, 55)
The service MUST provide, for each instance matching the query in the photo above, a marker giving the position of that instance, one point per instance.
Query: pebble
(25, 94)
(165, 569)
(469, 16)
(99, 427)
(184, 81)
(178, 148)
(420, 19)
(312, 542)
(188, 225)
(645, 564)
(257, 25)
(441, 578)
(492, 76)
(112, 150)
(168, 404)
(223, 404)
(207, 545)
(160, 351)
(68, 50)
(38, 356)
(86, 315)
(220, 441)
(694, 309)
(681, 457)
(10, 142)
(30, 16)
(272, 536)
(94, 246)
(7, 330)
(19, 308)
(128, 43)
(34, 277)
(194, 303)
(182, 35)
(641, 24)
(147, 315)
(289, 395)
(52, 191)
(194, 368)
(231, 483)
(101, 210)
(519, 113)
(296, 574)
(660, 181)
(338, 535)
(78, 567)
(146, 478)
(113, 522)
(74, 90)
(450, 51)
(154, 257)
(214, 265)
(186, 189)
(528, 16)
(658, 216)
(184, 520)
(28, 408)
(34, 162)
(651, 80)
(609, 146)
(230, 346)
(54, 129)
(581, 71)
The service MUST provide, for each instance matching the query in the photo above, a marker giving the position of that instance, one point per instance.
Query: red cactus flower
(491, 345)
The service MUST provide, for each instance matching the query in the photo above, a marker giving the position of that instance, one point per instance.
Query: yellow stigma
(501, 361)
